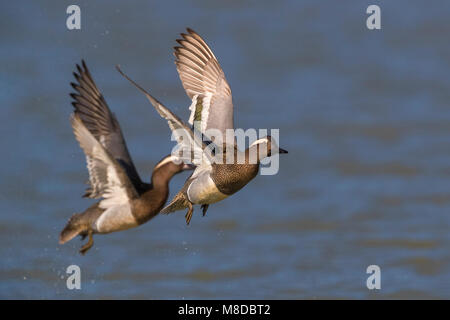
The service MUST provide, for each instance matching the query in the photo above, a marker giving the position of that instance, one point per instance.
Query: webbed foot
(205, 208)
(188, 215)
(89, 244)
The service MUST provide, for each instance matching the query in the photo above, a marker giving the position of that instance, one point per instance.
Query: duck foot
(205, 208)
(188, 215)
(89, 244)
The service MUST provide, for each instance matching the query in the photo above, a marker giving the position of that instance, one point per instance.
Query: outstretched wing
(191, 148)
(93, 110)
(107, 178)
(205, 83)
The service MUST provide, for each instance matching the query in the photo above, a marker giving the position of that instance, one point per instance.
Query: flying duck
(126, 201)
(211, 108)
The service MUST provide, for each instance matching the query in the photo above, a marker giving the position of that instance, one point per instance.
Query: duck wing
(191, 148)
(204, 82)
(108, 179)
(91, 107)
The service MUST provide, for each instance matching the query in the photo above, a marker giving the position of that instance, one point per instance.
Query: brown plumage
(126, 201)
(211, 181)
(225, 179)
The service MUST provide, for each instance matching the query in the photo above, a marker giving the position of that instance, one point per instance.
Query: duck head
(265, 147)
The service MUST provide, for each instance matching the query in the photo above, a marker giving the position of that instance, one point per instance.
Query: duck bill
(282, 150)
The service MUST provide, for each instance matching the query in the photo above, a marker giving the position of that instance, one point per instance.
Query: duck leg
(188, 215)
(89, 244)
(205, 208)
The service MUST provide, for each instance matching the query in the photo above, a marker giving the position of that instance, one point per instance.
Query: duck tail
(179, 202)
(74, 227)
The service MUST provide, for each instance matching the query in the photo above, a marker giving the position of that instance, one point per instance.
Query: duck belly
(115, 219)
(203, 190)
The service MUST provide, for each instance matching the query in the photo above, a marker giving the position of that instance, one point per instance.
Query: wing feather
(91, 107)
(190, 144)
(202, 76)
(107, 178)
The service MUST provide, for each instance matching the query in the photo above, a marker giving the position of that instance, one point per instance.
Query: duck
(126, 201)
(212, 108)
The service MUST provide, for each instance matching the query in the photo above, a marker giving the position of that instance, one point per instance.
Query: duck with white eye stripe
(212, 108)
(127, 201)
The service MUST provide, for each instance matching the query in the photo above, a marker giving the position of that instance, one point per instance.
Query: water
(364, 115)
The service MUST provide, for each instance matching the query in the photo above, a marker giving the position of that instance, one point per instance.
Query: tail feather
(73, 228)
(179, 202)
